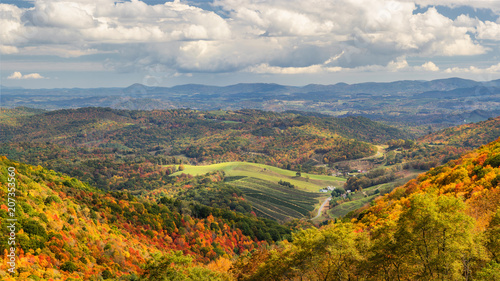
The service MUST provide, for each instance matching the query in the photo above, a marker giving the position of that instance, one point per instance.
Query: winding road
(321, 207)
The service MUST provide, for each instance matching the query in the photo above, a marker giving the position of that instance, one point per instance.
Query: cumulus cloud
(279, 36)
(11, 24)
(429, 66)
(473, 69)
(266, 68)
(398, 64)
(18, 75)
(488, 30)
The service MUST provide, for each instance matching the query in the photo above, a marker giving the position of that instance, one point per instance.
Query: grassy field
(307, 182)
(259, 183)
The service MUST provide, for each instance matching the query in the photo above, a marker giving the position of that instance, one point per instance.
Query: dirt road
(321, 208)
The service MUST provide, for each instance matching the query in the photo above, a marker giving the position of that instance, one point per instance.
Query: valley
(260, 185)
(249, 140)
(217, 188)
(416, 105)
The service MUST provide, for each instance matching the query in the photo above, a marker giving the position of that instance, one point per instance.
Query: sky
(112, 43)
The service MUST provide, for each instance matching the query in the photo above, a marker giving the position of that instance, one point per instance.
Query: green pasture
(259, 183)
(307, 182)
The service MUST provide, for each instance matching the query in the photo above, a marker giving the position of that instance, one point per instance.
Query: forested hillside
(137, 215)
(67, 229)
(467, 135)
(444, 225)
(118, 149)
(417, 104)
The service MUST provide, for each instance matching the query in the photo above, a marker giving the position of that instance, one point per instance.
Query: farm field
(276, 201)
(260, 185)
(307, 182)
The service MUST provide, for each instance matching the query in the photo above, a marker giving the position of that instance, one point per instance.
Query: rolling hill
(444, 225)
(306, 182)
(439, 103)
(104, 146)
(260, 186)
(467, 135)
(68, 230)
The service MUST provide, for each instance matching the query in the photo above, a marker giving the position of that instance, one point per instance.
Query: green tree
(493, 237)
(491, 272)
(175, 266)
(330, 253)
(167, 267)
(433, 239)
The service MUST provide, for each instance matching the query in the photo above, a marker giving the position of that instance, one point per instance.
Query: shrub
(69, 266)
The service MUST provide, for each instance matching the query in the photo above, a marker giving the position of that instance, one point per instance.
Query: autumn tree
(175, 266)
(493, 237)
(434, 235)
(330, 253)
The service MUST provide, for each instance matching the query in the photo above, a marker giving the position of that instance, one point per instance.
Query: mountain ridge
(438, 103)
(429, 83)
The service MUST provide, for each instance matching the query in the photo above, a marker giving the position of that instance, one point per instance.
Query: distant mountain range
(401, 87)
(2, 87)
(441, 103)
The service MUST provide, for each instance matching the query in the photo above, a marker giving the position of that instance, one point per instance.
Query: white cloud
(280, 36)
(15, 75)
(429, 66)
(398, 64)
(7, 50)
(365, 32)
(473, 69)
(488, 30)
(466, 21)
(10, 21)
(32, 76)
(267, 69)
(18, 75)
(61, 14)
(482, 29)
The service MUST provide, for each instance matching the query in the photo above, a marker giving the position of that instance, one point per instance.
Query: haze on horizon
(107, 43)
